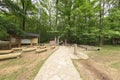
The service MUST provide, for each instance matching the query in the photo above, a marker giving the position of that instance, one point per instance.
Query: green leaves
(80, 21)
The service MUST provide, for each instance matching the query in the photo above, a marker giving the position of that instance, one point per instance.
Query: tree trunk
(100, 40)
(50, 19)
(23, 24)
(119, 4)
(65, 42)
(101, 24)
(58, 40)
(113, 41)
(56, 25)
(23, 19)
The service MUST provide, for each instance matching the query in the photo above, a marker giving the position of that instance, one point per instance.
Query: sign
(25, 41)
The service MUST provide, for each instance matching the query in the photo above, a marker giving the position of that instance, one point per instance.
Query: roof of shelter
(25, 34)
(31, 34)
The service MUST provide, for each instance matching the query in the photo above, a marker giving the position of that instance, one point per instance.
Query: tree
(21, 9)
(91, 22)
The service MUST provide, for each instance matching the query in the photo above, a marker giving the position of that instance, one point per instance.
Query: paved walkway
(58, 67)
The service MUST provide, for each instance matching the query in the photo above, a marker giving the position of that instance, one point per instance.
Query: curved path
(58, 66)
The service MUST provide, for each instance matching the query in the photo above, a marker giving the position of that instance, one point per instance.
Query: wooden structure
(10, 55)
(4, 45)
(14, 40)
(26, 38)
(41, 50)
(33, 38)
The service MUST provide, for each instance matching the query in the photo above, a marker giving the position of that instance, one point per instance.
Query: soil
(91, 70)
(25, 66)
(9, 70)
(98, 68)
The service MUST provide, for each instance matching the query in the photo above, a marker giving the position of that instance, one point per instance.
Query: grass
(108, 50)
(116, 65)
(38, 66)
(13, 75)
(23, 70)
(13, 62)
(107, 54)
(28, 66)
(77, 67)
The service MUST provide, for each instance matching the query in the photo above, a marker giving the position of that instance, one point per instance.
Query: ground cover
(101, 65)
(25, 67)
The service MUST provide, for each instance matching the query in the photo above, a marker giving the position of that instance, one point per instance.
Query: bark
(23, 24)
(113, 41)
(101, 23)
(100, 31)
(119, 4)
(56, 25)
(57, 40)
(50, 19)
(100, 40)
(23, 19)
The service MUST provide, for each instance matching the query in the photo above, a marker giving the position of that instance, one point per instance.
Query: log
(5, 51)
(17, 49)
(91, 48)
(52, 47)
(42, 47)
(11, 55)
(41, 50)
(29, 49)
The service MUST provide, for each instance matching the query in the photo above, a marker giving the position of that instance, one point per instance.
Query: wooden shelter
(32, 37)
(26, 38)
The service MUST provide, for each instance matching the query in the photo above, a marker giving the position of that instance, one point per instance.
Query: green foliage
(78, 21)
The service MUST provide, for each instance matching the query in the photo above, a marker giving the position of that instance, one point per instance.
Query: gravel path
(58, 67)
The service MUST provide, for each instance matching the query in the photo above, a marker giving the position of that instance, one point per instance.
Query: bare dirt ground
(98, 67)
(25, 67)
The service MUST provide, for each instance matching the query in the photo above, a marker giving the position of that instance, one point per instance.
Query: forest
(92, 22)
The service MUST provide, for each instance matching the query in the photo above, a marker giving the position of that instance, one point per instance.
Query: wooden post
(31, 42)
(19, 42)
(58, 40)
(75, 49)
(55, 40)
(10, 43)
(65, 41)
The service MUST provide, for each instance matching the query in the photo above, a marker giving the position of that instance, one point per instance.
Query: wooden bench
(10, 55)
(41, 50)
(52, 47)
(28, 49)
(5, 51)
(17, 49)
(41, 47)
